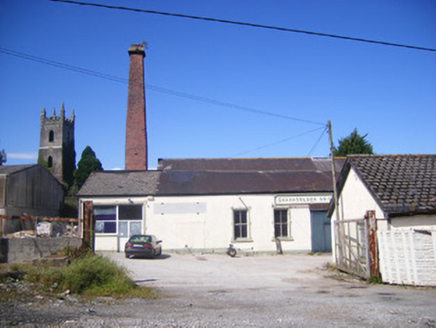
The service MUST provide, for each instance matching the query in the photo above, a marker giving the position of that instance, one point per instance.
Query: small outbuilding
(28, 190)
(400, 192)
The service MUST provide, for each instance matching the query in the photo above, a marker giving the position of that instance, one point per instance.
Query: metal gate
(356, 246)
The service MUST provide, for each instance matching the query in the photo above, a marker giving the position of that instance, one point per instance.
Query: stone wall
(25, 250)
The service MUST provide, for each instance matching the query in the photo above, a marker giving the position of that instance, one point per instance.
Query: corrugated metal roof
(216, 176)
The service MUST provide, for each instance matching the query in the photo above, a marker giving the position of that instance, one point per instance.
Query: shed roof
(216, 177)
(10, 169)
(401, 184)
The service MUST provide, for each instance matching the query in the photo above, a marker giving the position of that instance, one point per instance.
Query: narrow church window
(50, 161)
(51, 136)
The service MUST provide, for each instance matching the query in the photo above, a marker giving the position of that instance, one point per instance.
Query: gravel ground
(211, 290)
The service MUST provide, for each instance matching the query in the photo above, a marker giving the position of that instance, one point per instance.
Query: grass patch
(87, 275)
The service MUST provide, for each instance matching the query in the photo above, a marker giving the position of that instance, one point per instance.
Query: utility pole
(339, 240)
(335, 195)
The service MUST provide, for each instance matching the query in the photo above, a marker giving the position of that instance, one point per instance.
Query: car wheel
(127, 256)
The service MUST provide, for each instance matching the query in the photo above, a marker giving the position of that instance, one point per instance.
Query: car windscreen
(140, 239)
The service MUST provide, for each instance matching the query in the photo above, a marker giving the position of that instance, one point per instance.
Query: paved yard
(272, 291)
(210, 290)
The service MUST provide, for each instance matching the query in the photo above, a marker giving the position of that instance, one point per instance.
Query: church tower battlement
(56, 145)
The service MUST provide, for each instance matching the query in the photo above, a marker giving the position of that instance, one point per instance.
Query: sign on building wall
(302, 199)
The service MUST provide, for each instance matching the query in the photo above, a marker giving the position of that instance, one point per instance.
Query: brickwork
(136, 133)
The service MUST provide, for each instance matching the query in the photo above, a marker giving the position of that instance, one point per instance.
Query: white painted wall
(424, 222)
(206, 223)
(212, 227)
(354, 201)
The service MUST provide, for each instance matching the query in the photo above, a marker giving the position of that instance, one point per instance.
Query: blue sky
(386, 92)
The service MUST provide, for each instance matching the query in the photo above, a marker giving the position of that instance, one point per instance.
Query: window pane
(135, 228)
(105, 213)
(244, 231)
(99, 227)
(110, 227)
(130, 212)
(105, 227)
(123, 229)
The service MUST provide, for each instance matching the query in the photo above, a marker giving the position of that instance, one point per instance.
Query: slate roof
(216, 177)
(228, 182)
(250, 164)
(120, 183)
(401, 184)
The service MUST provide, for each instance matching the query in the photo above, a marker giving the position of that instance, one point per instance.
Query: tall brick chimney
(136, 129)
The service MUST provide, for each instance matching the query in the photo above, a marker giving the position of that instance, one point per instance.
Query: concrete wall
(22, 250)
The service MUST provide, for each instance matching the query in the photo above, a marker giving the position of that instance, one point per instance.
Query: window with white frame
(240, 224)
(130, 212)
(281, 223)
(105, 219)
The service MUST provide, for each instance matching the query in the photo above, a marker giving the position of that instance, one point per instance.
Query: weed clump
(87, 274)
(95, 275)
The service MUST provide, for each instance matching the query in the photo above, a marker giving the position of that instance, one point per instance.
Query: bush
(88, 275)
(96, 275)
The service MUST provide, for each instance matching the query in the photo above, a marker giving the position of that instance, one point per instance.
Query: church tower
(56, 145)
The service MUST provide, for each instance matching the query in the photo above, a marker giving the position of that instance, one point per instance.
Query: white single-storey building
(258, 205)
(401, 190)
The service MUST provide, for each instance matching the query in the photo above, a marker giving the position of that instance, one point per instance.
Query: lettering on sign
(302, 199)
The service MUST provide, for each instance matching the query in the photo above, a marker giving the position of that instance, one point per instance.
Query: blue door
(321, 233)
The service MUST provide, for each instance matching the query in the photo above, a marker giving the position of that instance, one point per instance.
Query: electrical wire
(317, 142)
(284, 29)
(151, 87)
(277, 142)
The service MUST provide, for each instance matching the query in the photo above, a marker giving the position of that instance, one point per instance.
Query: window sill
(283, 239)
(242, 240)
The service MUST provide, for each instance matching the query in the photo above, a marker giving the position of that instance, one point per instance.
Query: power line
(317, 142)
(277, 142)
(151, 87)
(284, 29)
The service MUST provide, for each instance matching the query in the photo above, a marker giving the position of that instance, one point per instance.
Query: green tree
(353, 144)
(2, 157)
(87, 164)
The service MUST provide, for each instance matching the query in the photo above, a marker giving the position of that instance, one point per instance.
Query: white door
(126, 229)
